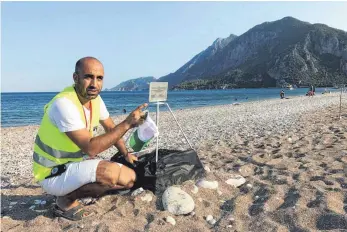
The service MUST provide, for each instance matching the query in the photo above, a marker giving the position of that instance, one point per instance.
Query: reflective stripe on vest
(56, 153)
(53, 147)
(43, 161)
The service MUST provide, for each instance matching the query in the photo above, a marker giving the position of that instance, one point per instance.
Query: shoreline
(196, 107)
(202, 125)
(292, 154)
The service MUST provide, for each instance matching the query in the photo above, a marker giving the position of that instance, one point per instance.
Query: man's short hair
(79, 63)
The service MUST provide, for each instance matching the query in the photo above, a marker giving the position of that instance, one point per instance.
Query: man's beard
(84, 92)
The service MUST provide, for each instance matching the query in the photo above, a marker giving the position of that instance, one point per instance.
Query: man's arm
(98, 144)
(108, 125)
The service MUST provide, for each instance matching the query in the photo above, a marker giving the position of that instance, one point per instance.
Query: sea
(20, 109)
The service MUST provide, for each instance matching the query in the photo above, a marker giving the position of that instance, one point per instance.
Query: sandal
(75, 214)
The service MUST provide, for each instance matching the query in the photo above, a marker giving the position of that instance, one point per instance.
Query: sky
(41, 41)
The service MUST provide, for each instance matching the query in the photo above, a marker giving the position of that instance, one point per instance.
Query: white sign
(158, 91)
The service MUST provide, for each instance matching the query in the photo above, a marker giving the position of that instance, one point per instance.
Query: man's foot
(76, 213)
(72, 211)
(65, 204)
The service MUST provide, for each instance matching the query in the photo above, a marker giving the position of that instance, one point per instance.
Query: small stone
(10, 207)
(236, 181)
(80, 226)
(170, 220)
(13, 203)
(6, 217)
(37, 202)
(32, 207)
(209, 217)
(86, 200)
(290, 140)
(207, 184)
(148, 197)
(212, 222)
(137, 192)
(207, 169)
(219, 192)
(231, 219)
(229, 226)
(192, 213)
(195, 189)
(200, 199)
(249, 186)
(43, 202)
(177, 201)
(70, 227)
(256, 197)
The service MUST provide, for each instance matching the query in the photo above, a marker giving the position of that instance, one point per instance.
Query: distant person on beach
(282, 94)
(124, 111)
(65, 149)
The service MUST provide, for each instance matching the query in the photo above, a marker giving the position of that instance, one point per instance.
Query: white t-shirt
(65, 115)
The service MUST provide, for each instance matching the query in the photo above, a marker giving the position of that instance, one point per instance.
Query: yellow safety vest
(53, 147)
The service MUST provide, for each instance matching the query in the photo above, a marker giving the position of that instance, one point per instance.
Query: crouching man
(64, 159)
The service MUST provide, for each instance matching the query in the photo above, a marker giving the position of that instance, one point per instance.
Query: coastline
(200, 124)
(292, 153)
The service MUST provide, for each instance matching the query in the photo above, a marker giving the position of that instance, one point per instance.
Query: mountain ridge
(278, 53)
(271, 54)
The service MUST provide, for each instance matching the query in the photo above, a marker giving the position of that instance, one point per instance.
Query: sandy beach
(292, 153)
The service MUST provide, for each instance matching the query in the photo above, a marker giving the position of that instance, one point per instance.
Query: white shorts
(76, 175)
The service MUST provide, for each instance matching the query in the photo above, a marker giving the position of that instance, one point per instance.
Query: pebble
(137, 192)
(207, 184)
(37, 202)
(236, 181)
(229, 226)
(43, 202)
(148, 197)
(32, 207)
(170, 220)
(207, 169)
(249, 186)
(219, 192)
(212, 222)
(192, 213)
(195, 189)
(13, 203)
(209, 217)
(231, 219)
(177, 201)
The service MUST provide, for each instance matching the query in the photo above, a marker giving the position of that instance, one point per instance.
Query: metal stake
(179, 126)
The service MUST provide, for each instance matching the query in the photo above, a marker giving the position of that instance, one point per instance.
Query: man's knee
(107, 173)
(132, 179)
(127, 177)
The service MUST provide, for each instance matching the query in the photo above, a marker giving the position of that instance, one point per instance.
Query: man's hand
(130, 158)
(137, 117)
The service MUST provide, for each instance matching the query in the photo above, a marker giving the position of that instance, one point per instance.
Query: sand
(292, 152)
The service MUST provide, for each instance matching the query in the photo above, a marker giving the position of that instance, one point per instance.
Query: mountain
(279, 53)
(141, 83)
